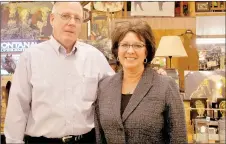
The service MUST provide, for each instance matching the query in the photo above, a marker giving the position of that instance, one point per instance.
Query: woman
(137, 105)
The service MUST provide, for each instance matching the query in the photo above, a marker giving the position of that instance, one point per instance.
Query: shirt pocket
(90, 88)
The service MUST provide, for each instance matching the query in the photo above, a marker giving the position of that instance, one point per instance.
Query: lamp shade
(171, 46)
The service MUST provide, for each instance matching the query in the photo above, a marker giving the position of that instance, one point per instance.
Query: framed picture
(202, 6)
(160, 8)
(211, 57)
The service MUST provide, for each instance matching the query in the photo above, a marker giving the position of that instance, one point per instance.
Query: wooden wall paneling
(192, 61)
(125, 10)
(84, 31)
(183, 63)
(189, 126)
(191, 6)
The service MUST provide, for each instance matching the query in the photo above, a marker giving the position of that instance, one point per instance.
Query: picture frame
(159, 8)
(202, 6)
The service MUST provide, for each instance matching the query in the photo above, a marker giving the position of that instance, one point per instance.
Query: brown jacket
(154, 114)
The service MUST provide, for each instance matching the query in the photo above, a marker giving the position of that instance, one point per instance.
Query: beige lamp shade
(171, 46)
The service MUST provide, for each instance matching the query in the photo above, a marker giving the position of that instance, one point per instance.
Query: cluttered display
(206, 92)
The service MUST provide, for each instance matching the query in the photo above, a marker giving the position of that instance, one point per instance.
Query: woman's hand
(160, 71)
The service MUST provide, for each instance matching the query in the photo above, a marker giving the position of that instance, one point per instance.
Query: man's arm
(19, 102)
(104, 67)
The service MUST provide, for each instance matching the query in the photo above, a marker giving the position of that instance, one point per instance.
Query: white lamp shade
(171, 46)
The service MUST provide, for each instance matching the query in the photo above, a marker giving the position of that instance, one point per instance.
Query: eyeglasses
(68, 17)
(126, 46)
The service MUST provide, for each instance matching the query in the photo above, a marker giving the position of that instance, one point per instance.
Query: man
(54, 85)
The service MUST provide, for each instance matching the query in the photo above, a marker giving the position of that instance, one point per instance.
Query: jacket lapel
(141, 90)
(115, 93)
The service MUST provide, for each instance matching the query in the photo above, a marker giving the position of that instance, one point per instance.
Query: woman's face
(132, 51)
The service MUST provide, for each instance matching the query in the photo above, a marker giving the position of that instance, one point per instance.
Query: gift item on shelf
(201, 131)
(207, 131)
(222, 136)
(221, 104)
(215, 111)
(199, 105)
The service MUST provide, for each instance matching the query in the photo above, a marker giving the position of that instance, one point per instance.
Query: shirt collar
(57, 46)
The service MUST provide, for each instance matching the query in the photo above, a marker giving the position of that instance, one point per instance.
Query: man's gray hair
(57, 3)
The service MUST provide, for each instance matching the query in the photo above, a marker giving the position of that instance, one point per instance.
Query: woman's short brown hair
(143, 31)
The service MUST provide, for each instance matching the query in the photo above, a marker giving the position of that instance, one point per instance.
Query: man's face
(66, 20)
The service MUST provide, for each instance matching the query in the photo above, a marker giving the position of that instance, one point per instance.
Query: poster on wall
(25, 20)
(22, 25)
(10, 53)
(161, 8)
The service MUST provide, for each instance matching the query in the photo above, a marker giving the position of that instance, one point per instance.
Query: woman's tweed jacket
(154, 114)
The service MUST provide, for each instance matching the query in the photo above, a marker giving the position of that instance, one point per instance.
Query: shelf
(214, 137)
(210, 13)
(212, 123)
(217, 9)
(206, 109)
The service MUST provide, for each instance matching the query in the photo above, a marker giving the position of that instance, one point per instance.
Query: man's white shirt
(52, 92)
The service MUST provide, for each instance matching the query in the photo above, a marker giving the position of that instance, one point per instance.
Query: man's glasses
(68, 17)
(126, 46)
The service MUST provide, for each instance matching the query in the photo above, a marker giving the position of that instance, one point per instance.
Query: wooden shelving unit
(217, 6)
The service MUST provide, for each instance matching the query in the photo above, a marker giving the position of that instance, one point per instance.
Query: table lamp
(170, 46)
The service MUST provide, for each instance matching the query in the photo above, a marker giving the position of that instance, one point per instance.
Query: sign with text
(10, 53)
(17, 45)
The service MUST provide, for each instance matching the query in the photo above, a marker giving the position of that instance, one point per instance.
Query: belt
(84, 138)
(66, 139)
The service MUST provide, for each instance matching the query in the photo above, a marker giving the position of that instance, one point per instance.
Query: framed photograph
(211, 57)
(202, 6)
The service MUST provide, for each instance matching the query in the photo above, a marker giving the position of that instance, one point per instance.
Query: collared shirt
(52, 92)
